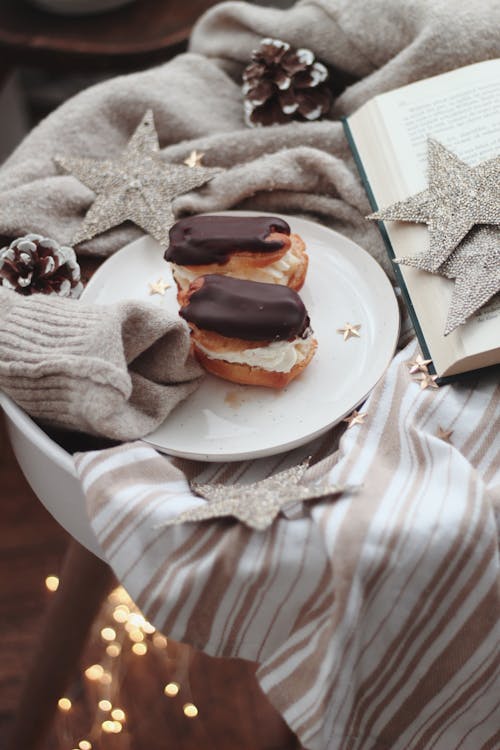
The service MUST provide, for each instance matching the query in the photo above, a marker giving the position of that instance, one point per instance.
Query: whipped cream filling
(275, 273)
(279, 356)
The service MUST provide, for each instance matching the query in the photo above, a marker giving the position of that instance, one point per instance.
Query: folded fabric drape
(373, 617)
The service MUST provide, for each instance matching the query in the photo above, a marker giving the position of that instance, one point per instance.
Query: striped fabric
(373, 617)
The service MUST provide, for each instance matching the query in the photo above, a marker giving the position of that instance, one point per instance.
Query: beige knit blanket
(372, 618)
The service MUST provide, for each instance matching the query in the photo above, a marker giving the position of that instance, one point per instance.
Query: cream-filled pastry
(255, 248)
(246, 331)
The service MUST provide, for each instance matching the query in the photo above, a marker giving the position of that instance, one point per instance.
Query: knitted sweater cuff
(67, 363)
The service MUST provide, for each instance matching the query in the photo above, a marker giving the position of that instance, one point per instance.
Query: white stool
(84, 582)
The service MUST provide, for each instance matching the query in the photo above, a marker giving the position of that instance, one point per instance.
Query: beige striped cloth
(373, 618)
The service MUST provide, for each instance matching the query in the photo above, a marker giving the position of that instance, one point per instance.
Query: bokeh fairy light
(122, 632)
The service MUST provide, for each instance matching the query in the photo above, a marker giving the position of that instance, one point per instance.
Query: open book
(388, 137)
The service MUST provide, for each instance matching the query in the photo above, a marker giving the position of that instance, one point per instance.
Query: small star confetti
(194, 159)
(355, 418)
(158, 287)
(444, 434)
(257, 504)
(138, 186)
(419, 364)
(458, 197)
(428, 381)
(349, 331)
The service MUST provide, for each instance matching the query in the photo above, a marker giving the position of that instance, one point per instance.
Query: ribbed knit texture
(114, 371)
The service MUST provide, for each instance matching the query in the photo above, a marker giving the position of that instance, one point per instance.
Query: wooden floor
(233, 713)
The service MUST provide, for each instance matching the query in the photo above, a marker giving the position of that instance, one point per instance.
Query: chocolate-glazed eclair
(256, 248)
(246, 331)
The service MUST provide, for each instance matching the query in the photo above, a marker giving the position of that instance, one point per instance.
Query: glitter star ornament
(257, 504)
(138, 186)
(458, 197)
(475, 267)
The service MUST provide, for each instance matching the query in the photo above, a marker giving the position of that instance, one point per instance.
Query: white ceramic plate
(222, 421)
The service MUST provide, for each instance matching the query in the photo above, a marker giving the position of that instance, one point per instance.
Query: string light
(95, 672)
(121, 613)
(137, 636)
(120, 619)
(111, 727)
(106, 678)
(160, 641)
(108, 634)
(64, 704)
(119, 596)
(52, 583)
(136, 620)
(171, 689)
(190, 710)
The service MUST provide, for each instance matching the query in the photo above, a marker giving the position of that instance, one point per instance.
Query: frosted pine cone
(283, 84)
(36, 264)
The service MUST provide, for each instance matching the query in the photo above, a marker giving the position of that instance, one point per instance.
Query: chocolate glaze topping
(200, 240)
(247, 310)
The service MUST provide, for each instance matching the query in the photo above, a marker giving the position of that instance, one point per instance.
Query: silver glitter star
(138, 186)
(256, 504)
(475, 266)
(458, 198)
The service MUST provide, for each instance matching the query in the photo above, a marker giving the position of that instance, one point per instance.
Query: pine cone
(283, 84)
(34, 264)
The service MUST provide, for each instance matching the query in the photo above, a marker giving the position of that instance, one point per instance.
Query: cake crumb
(234, 399)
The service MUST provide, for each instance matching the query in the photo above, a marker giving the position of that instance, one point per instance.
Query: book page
(461, 109)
